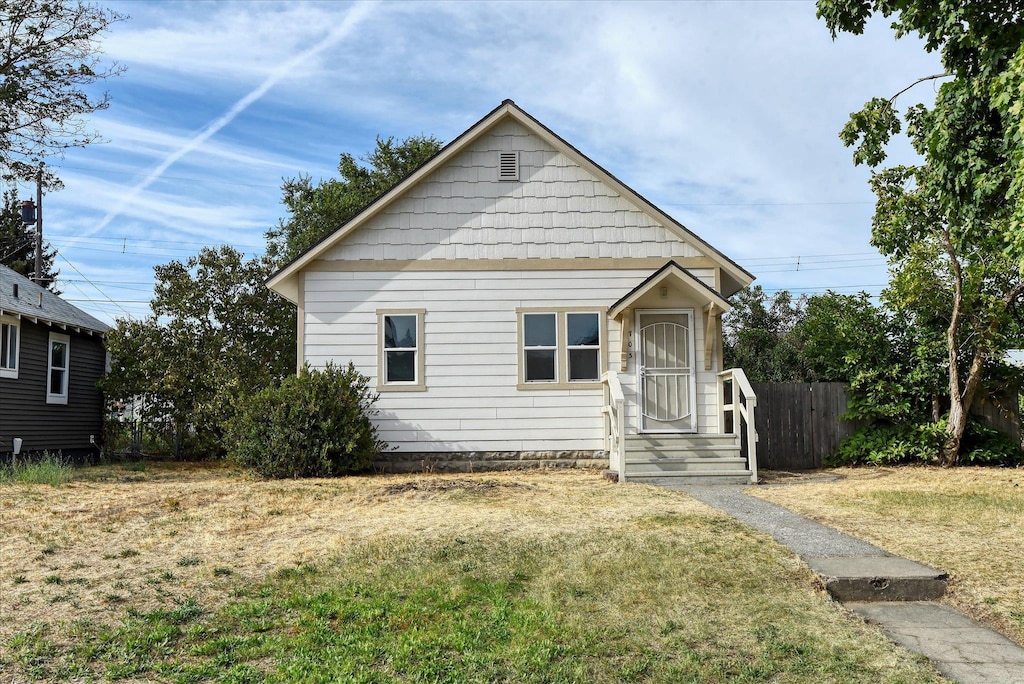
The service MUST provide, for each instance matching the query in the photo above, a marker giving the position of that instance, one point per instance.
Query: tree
(316, 211)
(215, 333)
(759, 336)
(18, 244)
(48, 58)
(951, 225)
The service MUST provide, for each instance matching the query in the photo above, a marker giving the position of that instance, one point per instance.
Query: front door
(666, 383)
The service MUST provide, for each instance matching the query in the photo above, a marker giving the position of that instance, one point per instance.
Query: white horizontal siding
(471, 355)
(557, 210)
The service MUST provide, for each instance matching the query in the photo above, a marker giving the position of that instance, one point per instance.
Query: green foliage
(48, 61)
(316, 424)
(759, 338)
(18, 244)
(316, 211)
(48, 468)
(950, 226)
(216, 332)
(888, 444)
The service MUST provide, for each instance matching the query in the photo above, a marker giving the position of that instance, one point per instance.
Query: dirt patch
(457, 485)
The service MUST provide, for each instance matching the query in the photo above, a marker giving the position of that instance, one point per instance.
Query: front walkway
(893, 592)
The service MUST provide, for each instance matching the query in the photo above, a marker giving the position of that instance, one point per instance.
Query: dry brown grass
(966, 521)
(112, 535)
(628, 559)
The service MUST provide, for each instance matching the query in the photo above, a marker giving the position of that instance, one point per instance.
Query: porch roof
(670, 272)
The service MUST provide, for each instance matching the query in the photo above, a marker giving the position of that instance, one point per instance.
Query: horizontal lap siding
(24, 412)
(472, 355)
(556, 210)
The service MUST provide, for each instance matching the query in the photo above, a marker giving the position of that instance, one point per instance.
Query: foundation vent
(508, 166)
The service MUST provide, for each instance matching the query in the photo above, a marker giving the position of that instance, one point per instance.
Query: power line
(94, 285)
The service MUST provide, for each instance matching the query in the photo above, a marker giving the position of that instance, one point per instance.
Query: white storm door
(666, 382)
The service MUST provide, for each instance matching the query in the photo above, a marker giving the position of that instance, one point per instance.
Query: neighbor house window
(9, 330)
(400, 346)
(561, 348)
(57, 369)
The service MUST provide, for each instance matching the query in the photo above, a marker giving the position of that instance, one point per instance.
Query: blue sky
(725, 114)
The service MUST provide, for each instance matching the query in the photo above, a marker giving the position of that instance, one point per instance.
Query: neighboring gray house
(516, 303)
(51, 355)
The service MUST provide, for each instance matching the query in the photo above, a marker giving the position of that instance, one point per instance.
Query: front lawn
(180, 573)
(966, 521)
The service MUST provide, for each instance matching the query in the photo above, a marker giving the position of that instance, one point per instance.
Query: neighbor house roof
(285, 281)
(22, 298)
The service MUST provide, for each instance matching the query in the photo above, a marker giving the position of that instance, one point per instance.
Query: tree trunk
(960, 409)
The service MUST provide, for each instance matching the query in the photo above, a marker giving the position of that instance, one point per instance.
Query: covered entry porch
(672, 414)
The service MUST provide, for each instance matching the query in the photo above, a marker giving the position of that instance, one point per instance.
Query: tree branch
(920, 80)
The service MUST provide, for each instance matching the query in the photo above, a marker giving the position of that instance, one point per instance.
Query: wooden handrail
(615, 423)
(742, 411)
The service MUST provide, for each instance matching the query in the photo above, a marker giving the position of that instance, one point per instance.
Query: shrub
(51, 469)
(887, 444)
(315, 424)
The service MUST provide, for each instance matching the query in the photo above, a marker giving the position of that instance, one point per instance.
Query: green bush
(886, 444)
(315, 424)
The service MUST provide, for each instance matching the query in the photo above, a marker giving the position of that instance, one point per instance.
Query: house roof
(285, 281)
(39, 305)
(669, 272)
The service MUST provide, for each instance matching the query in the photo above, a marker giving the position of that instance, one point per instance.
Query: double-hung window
(540, 347)
(9, 330)
(400, 350)
(57, 369)
(560, 348)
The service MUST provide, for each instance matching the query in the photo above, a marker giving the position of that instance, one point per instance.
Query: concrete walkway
(887, 590)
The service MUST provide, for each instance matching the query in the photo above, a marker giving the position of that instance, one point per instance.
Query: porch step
(679, 460)
(677, 480)
(673, 464)
(703, 446)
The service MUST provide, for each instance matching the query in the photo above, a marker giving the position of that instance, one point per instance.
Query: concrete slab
(961, 648)
(878, 578)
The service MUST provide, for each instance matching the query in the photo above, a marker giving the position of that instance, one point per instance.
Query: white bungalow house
(515, 303)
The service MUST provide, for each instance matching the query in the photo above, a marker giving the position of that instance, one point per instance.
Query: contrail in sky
(354, 16)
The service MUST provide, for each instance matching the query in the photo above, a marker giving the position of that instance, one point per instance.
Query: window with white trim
(561, 348)
(400, 345)
(10, 331)
(540, 347)
(58, 363)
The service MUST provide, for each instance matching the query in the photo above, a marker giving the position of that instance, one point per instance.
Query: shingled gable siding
(24, 412)
(471, 402)
(556, 210)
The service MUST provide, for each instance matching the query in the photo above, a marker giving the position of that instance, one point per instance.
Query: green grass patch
(50, 469)
(675, 599)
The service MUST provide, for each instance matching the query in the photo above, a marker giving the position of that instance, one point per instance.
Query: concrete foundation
(488, 461)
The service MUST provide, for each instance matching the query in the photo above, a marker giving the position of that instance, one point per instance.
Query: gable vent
(508, 166)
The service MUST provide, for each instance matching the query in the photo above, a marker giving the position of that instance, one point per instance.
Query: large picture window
(59, 357)
(9, 340)
(560, 348)
(400, 345)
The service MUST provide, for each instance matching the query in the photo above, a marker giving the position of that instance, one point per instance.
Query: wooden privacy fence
(800, 423)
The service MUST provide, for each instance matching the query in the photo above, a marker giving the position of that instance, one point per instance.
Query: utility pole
(39, 227)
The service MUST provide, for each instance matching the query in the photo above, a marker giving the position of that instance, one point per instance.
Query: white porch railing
(737, 401)
(614, 423)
